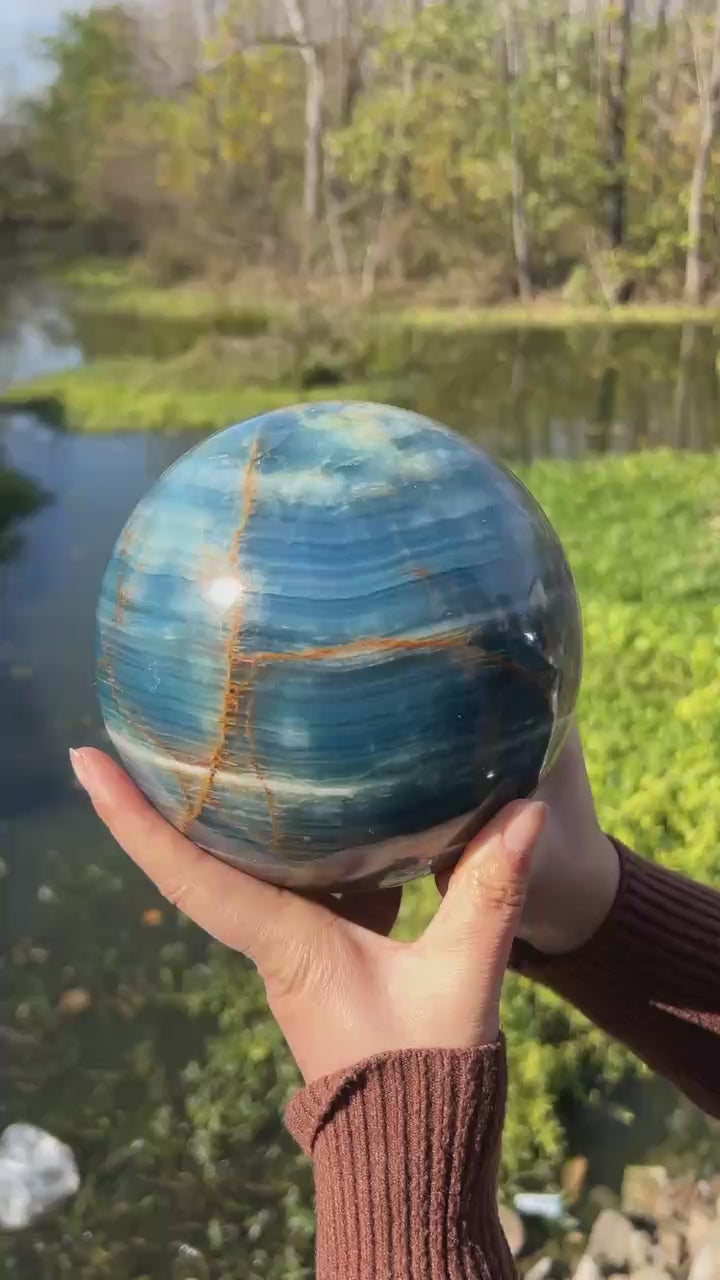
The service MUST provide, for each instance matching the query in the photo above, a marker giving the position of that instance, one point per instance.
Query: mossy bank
(197, 357)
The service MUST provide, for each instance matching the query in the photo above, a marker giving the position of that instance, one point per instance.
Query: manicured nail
(80, 768)
(523, 830)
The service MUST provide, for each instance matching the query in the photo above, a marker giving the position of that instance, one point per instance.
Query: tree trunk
(314, 112)
(351, 81)
(661, 25)
(710, 105)
(350, 45)
(314, 124)
(620, 43)
(662, 101)
(519, 222)
(521, 247)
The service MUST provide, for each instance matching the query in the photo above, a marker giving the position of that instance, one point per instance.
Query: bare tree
(661, 88)
(619, 51)
(511, 66)
(314, 110)
(710, 120)
(351, 40)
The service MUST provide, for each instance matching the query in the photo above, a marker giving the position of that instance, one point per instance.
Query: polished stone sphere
(334, 640)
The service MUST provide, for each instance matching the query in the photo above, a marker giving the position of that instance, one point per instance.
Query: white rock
(699, 1229)
(541, 1270)
(706, 1265)
(36, 1171)
(640, 1250)
(587, 1269)
(609, 1242)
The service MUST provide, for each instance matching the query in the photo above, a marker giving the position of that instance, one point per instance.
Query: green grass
(108, 287)
(643, 537)
(142, 395)
(198, 356)
(119, 287)
(550, 314)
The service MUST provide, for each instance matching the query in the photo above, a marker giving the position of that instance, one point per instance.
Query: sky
(22, 23)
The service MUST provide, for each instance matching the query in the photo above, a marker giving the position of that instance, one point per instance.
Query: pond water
(93, 1036)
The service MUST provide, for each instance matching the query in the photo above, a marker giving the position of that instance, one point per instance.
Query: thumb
(480, 913)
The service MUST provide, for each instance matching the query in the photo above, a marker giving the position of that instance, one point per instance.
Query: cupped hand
(341, 989)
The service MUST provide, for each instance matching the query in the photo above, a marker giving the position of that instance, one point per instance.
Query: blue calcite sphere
(333, 641)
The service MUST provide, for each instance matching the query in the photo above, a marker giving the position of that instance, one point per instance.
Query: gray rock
(645, 1191)
(189, 1264)
(706, 1262)
(599, 1198)
(513, 1228)
(609, 1243)
(640, 1250)
(699, 1229)
(670, 1249)
(587, 1269)
(540, 1270)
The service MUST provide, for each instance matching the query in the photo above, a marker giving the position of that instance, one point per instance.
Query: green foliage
(83, 126)
(280, 1241)
(451, 133)
(175, 1150)
(193, 150)
(643, 537)
(144, 395)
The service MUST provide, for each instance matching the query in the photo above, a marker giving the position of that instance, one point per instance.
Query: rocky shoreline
(661, 1228)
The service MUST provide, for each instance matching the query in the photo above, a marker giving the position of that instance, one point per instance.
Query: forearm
(405, 1150)
(650, 976)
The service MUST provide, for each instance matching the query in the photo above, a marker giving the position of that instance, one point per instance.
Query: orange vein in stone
(232, 688)
(366, 645)
(460, 640)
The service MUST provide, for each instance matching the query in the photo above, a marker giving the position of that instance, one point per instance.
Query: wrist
(405, 1150)
(574, 905)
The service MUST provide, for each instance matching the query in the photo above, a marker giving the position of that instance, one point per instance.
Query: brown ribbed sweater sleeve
(650, 976)
(405, 1152)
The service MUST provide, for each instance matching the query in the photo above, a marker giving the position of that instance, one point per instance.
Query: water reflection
(20, 496)
(523, 393)
(568, 393)
(36, 336)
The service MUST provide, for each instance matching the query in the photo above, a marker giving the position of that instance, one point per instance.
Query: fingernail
(80, 768)
(524, 828)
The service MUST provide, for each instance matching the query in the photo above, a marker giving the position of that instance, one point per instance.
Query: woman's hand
(575, 871)
(340, 988)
